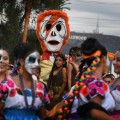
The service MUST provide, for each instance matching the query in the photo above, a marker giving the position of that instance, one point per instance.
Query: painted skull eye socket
(31, 60)
(48, 26)
(58, 27)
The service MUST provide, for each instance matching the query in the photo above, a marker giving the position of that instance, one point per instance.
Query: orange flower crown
(57, 13)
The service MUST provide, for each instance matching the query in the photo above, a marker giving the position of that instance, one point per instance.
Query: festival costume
(52, 32)
(55, 86)
(116, 95)
(93, 87)
(15, 104)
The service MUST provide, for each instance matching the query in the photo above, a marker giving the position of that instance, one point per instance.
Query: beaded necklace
(33, 93)
(65, 111)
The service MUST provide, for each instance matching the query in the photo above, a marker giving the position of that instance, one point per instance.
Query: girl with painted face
(26, 96)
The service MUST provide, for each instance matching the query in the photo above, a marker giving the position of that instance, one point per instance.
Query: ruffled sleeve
(97, 87)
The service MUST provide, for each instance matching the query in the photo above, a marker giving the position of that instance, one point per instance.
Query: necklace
(25, 97)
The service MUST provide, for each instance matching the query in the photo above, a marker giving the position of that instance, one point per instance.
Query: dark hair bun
(89, 46)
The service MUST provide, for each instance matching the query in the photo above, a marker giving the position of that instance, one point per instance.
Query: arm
(64, 73)
(98, 114)
(69, 72)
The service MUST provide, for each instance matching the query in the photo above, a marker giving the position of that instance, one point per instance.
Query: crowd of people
(80, 89)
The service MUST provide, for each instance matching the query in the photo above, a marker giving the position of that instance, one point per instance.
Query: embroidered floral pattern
(10, 83)
(85, 91)
(12, 92)
(40, 86)
(93, 88)
(3, 92)
(97, 87)
(9, 91)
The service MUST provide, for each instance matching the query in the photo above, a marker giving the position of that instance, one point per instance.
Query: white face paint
(53, 33)
(31, 62)
(1, 56)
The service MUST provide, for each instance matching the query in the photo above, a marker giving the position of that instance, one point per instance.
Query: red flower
(40, 86)
(40, 95)
(85, 91)
(12, 92)
(10, 83)
(105, 87)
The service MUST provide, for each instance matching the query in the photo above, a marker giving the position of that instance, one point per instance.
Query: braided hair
(92, 52)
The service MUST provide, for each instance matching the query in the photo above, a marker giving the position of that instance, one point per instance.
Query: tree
(15, 14)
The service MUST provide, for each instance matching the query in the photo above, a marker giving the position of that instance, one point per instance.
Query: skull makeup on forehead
(52, 30)
(1, 55)
(31, 62)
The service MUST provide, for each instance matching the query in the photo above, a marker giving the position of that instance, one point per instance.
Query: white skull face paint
(1, 56)
(31, 62)
(53, 32)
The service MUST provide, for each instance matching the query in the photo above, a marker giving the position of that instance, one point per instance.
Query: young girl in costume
(4, 62)
(25, 97)
(73, 66)
(90, 96)
(57, 80)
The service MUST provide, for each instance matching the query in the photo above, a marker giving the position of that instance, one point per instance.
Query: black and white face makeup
(32, 63)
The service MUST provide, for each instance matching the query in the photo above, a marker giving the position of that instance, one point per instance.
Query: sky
(101, 16)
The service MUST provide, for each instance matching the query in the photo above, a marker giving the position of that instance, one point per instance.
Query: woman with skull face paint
(73, 66)
(26, 96)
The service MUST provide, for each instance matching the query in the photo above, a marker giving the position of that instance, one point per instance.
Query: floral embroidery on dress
(3, 92)
(93, 87)
(97, 87)
(85, 91)
(40, 86)
(10, 83)
(12, 92)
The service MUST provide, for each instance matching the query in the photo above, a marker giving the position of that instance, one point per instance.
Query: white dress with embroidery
(15, 107)
(90, 90)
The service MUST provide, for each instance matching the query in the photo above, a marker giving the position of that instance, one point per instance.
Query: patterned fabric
(90, 90)
(13, 97)
(93, 88)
